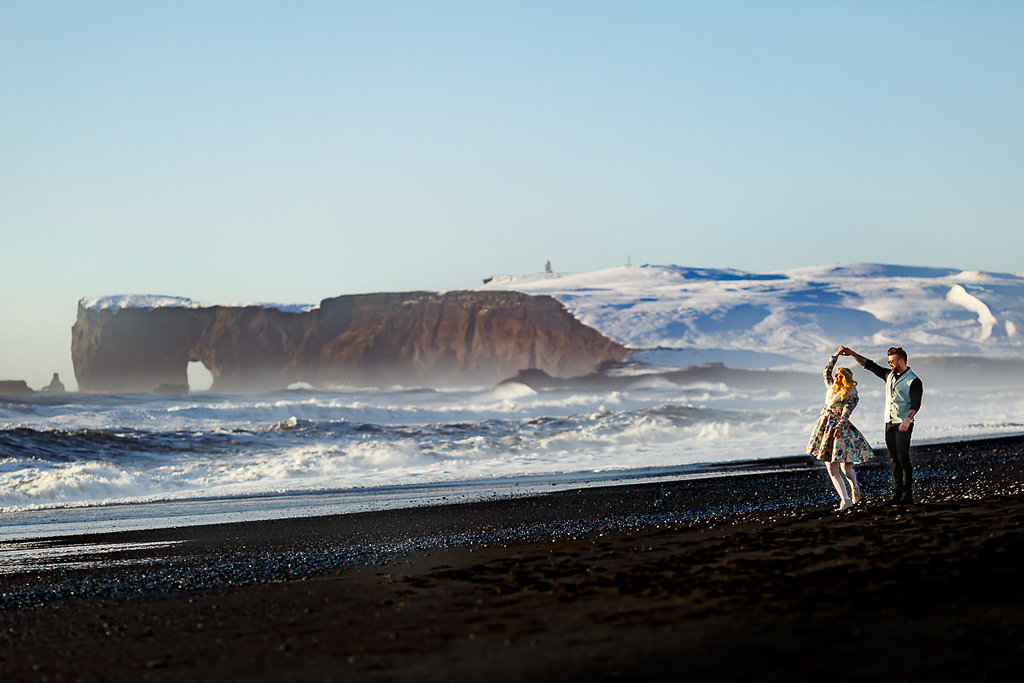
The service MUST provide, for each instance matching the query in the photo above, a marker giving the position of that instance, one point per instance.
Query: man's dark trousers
(898, 444)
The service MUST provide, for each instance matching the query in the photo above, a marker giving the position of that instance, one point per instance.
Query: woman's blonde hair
(848, 384)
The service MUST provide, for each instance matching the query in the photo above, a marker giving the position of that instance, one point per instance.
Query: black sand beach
(750, 575)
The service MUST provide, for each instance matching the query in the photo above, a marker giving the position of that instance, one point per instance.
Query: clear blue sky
(291, 151)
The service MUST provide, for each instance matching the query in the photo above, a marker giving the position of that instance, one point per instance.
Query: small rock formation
(14, 387)
(410, 339)
(55, 386)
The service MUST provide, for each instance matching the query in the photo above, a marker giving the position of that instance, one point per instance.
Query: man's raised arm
(866, 363)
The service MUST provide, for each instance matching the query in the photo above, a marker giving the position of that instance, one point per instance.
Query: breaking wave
(92, 450)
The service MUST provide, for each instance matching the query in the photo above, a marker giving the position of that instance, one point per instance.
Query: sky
(293, 151)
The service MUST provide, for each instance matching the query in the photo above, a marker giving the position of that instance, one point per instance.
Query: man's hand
(847, 351)
(905, 425)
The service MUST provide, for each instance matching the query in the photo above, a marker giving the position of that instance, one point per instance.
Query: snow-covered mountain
(787, 314)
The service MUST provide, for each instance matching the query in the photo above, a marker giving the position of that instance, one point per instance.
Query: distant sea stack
(55, 386)
(412, 339)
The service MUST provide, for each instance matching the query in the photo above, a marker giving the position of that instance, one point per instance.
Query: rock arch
(199, 376)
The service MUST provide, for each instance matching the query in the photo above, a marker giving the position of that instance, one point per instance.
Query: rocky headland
(14, 387)
(407, 338)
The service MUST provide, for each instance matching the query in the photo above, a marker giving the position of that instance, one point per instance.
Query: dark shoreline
(602, 582)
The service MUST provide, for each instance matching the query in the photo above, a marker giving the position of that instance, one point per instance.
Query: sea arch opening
(199, 376)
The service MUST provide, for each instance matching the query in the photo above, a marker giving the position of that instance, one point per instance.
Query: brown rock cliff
(408, 338)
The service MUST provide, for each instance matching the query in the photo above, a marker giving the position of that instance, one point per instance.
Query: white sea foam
(74, 483)
(511, 391)
(98, 450)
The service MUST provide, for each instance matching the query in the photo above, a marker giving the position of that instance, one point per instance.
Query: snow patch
(123, 301)
(108, 303)
(960, 296)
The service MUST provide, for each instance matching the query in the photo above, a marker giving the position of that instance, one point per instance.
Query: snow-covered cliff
(794, 312)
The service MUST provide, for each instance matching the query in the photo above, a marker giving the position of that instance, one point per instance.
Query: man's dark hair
(897, 351)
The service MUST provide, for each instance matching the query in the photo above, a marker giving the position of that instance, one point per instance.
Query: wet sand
(750, 575)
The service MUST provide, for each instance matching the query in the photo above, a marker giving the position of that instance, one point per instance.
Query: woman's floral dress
(850, 445)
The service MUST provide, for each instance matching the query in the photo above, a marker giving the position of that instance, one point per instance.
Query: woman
(835, 441)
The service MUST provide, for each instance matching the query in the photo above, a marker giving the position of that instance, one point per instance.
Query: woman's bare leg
(851, 478)
(835, 473)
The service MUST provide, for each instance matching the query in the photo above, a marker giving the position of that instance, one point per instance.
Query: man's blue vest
(897, 395)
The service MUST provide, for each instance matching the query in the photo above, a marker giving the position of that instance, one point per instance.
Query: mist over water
(97, 450)
(79, 451)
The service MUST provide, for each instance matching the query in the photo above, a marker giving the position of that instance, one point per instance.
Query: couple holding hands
(840, 445)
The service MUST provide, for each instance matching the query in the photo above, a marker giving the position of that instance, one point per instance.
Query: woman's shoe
(856, 498)
(845, 505)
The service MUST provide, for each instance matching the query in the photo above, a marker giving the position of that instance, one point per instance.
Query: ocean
(78, 463)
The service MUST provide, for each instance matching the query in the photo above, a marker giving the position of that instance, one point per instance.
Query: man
(903, 392)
